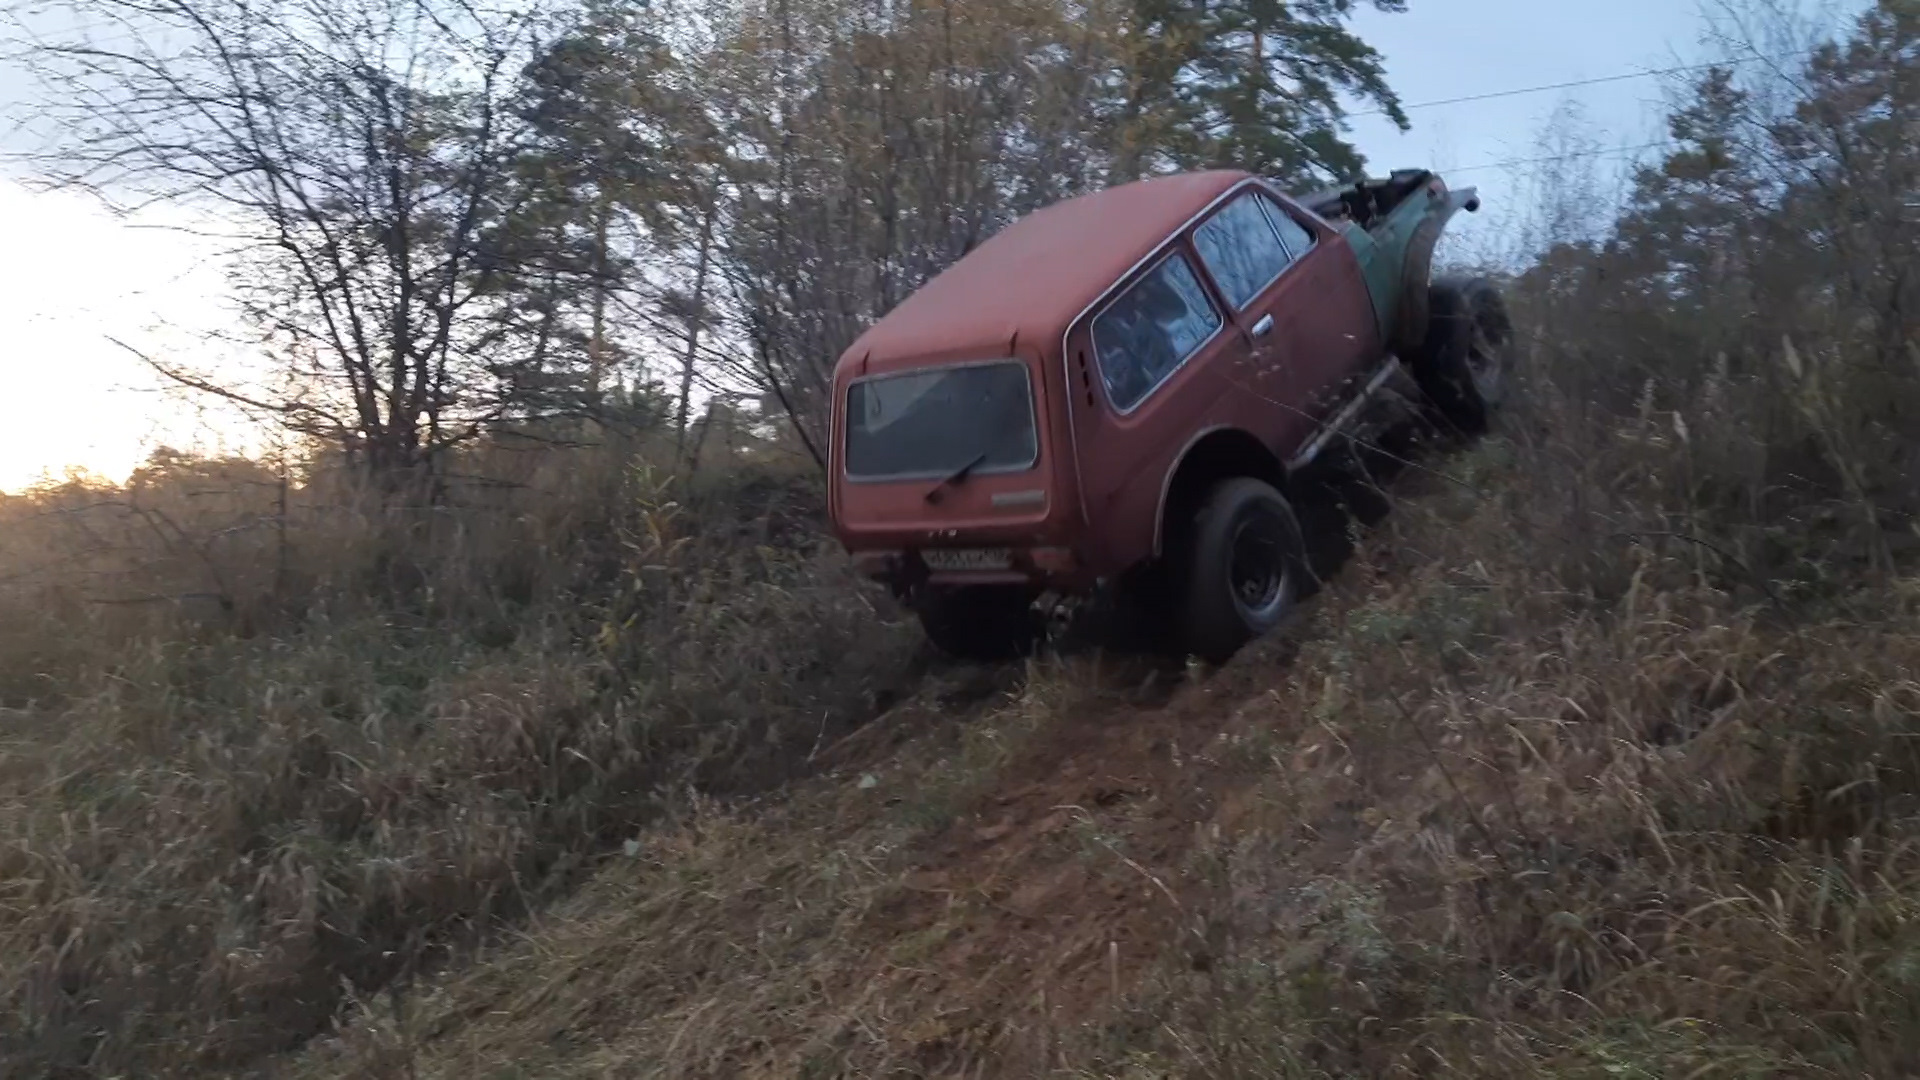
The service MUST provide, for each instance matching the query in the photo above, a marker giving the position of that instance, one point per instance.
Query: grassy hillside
(1508, 802)
(1596, 758)
(1582, 765)
(267, 746)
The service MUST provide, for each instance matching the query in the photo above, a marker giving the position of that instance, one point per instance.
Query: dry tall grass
(1591, 763)
(1527, 796)
(268, 742)
(1541, 797)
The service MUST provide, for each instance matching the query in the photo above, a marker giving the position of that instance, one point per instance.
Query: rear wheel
(1464, 363)
(1245, 568)
(980, 622)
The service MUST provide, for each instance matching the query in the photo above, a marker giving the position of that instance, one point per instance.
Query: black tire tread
(1457, 305)
(1211, 626)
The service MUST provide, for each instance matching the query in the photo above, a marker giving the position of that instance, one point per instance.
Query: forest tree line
(1756, 297)
(455, 218)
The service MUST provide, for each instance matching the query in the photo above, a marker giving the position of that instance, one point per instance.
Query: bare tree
(362, 148)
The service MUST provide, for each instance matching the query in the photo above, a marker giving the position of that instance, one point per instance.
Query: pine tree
(610, 128)
(1251, 84)
(1851, 154)
(1690, 218)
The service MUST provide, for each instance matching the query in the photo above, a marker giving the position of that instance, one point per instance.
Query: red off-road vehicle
(1119, 387)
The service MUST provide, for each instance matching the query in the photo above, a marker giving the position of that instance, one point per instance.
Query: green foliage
(1266, 83)
(1249, 84)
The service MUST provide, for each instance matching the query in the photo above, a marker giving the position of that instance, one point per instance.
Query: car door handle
(1263, 327)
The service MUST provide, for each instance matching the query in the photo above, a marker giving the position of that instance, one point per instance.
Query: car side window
(1242, 249)
(1295, 235)
(1151, 329)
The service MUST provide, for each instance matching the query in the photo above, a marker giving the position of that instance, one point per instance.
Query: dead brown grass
(376, 743)
(1524, 797)
(1471, 819)
(1497, 833)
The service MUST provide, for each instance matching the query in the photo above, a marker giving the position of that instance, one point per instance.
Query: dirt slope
(1463, 819)
(982, 873)
(970, 883)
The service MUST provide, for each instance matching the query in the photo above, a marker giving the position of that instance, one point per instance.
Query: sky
(77, 278)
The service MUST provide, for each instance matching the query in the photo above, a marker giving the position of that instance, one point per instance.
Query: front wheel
(980, 622)
(1463, 366)
(1245, 567)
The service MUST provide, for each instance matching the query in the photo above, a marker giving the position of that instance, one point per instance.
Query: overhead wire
(1571, 84)
(1614, 151)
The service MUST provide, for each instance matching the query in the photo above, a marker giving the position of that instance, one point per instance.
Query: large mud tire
(1465, 364)
(982, 622)
(1245, 566)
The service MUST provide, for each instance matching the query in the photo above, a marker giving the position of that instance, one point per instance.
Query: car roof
(1035, 276)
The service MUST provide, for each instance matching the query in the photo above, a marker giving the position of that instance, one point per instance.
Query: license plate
(968, 558)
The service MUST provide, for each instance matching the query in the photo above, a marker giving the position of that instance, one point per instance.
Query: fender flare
(1410, 321)
(1274, 471)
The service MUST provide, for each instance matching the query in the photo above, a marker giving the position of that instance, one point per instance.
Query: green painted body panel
(1382, 274)
(1384, 250)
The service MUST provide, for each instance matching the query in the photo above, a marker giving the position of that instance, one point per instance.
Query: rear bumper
(1040, 568)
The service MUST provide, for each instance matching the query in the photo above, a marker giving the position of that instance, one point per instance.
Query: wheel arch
(1408, 321)
(1214, 454)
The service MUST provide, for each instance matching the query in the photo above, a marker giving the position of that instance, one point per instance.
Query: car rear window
(1151, 329)
(934, 422)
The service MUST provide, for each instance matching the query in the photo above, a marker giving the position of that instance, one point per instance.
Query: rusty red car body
(945, 475)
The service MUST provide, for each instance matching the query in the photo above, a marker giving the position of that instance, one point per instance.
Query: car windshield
(935, 422)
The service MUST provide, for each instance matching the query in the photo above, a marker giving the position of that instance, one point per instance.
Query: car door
(1328, 313)
(1146, 370)
(1284, 279)
(1243, 254)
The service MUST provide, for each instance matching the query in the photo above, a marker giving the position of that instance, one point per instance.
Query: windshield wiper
(959, 476)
